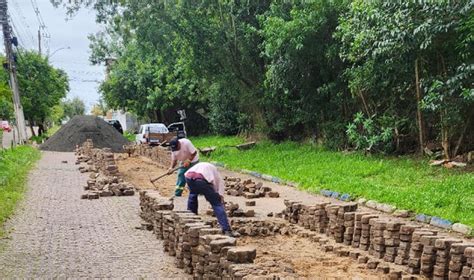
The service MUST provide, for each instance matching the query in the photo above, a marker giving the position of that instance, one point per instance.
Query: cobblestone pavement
(55, 234)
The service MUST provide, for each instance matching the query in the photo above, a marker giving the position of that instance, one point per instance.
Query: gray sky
(63, 32)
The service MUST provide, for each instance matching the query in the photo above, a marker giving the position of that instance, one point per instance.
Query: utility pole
(39, 41)
(20, 118)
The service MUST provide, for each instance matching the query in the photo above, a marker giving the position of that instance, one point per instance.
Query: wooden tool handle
(163, 175)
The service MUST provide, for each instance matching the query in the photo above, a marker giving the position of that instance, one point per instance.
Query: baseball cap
(174, 144)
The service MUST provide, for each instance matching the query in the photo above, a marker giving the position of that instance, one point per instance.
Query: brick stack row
(335, 213)
(292, 211)
(403, 252)
(376, 240)
(421, 250)
(391, 237)
(158, 154)
(198, 247)
(468, 268)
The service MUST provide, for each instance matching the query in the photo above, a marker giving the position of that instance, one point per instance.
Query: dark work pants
(197, 187)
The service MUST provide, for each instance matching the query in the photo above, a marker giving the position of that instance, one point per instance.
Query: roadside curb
(383, 207)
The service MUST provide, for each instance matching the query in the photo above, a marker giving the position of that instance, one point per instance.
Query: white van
(150, 133)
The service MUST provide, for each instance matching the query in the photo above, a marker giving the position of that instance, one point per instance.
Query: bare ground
(288, 256)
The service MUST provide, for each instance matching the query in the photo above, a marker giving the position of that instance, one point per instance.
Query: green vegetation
(14, 167)
(129, 135)
(50, 132)
(388, 77)
(42, 88)
(217, 141)
(405, 182)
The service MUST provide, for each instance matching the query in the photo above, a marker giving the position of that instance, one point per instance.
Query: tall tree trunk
(419, 114)
(445, 135)
(32, 129)
(461, 138)
(41, 129)
(367, 111)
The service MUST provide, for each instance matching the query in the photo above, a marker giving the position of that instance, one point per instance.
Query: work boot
(178, 191)
(231, 233)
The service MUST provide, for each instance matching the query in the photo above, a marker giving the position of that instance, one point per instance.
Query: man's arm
(173, 164)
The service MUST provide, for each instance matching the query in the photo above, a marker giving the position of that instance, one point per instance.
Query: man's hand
(186, 163)
(222, 199)
(170, 171)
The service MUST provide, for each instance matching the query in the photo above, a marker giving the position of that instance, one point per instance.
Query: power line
(22, 21)
(7, 38)
(43, 29)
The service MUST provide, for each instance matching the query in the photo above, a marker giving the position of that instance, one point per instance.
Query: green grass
(129, 135)
(14, 167)
(403, 181)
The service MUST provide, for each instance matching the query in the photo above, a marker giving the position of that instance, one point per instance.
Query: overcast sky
(68, 33)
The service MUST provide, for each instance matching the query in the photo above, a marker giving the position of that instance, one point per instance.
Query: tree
(410, 46)
(6, 106)
(41, 86)
(74, 107)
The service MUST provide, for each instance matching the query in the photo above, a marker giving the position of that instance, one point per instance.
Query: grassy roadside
(402, 181)
(14, 167)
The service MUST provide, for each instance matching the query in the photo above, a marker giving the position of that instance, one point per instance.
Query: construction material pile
(233, 210)
(198, 247)
(80, 128)
(159, 154)
(247, 188)
(104, 180)
(386, 240)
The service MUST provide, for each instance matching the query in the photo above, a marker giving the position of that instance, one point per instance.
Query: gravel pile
(79, 129)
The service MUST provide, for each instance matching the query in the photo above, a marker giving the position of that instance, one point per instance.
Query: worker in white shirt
(204, 178)
(184, 153)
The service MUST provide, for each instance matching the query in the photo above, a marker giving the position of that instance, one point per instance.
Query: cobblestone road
(55, 234)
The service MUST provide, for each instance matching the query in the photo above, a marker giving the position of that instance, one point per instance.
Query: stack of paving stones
(233, 210)
(428, 257)
(391, 237)
(358, 228)
(292, 211)
(443, 257)
(152, 205)
(335, 213)
(247, 188)
(403, 252)
(314, 217)
(416, 250)
(261, 227)
(103, 180)
(387, 240)
(468, 268)
(199, 248)
(158, 154)
(104, 186)
(349, 225)
(365, 232)
(377, 242)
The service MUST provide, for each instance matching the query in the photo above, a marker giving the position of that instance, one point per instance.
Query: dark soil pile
(79, 129)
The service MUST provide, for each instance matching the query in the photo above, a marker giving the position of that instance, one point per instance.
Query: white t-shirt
(185, 151)
(211, 174)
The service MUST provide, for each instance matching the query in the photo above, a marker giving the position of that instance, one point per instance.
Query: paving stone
(76, 238)
(462, 228)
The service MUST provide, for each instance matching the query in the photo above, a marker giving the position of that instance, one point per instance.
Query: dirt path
(288, 256)
(55, 234)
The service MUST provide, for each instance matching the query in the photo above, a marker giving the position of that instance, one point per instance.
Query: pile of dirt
(79, 129)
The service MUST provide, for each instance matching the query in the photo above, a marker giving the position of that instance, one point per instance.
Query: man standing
(184, 152)
(203, 178)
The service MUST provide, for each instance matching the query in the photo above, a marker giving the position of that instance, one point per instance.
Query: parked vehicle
(178, 128)
(153, 134)
(116, 124)
(5, 126)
